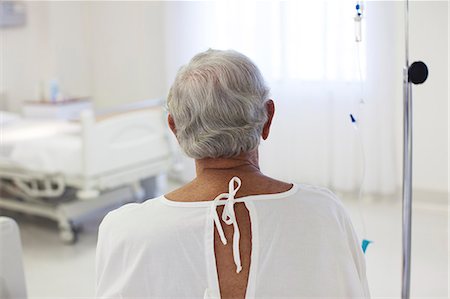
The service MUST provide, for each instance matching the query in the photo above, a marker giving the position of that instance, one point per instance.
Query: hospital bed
(68, 170)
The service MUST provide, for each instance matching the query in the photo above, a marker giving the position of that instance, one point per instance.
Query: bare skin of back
(212, 179)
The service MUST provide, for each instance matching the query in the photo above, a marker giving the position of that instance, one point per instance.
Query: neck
(245, 162)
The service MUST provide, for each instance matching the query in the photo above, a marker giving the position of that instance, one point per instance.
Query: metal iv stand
(416, 73)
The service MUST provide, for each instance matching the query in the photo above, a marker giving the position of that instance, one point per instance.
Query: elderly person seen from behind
(232, 232)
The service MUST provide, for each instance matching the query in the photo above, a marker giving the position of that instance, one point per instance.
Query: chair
(12, 277)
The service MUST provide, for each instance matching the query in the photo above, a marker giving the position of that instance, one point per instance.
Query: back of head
(218, 105)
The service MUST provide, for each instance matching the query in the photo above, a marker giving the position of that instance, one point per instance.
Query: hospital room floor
(55, 270)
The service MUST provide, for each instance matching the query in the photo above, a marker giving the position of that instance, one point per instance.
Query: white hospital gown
(303, 246)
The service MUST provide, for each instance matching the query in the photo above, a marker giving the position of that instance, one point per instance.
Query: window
(293, 40)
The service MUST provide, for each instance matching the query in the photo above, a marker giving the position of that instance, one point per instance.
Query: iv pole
(416, 73)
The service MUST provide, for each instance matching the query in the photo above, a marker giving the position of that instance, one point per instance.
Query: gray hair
(218, 105)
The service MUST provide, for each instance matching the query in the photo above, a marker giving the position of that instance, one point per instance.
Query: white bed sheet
(57, 154)
(44, 146)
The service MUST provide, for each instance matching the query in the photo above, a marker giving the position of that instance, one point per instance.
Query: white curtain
(318, 76)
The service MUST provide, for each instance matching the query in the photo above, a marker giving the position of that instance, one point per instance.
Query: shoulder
(128, 214)
(321, 200)
(318, 194)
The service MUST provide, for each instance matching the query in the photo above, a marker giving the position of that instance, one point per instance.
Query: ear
(171, 123)
(270, 107)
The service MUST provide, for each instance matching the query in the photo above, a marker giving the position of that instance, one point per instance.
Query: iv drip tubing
(358, 53)
(363, 177)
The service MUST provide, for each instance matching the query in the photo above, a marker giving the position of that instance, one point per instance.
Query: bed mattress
(52, 146)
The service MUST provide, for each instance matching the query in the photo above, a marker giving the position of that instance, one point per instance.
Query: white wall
(127, 51)
(68, 49)
(110, 51)
(25, 59)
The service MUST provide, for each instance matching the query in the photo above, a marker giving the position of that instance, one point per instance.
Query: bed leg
(67, 232)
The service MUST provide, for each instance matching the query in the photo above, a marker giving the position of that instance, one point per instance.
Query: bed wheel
(69, 235)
